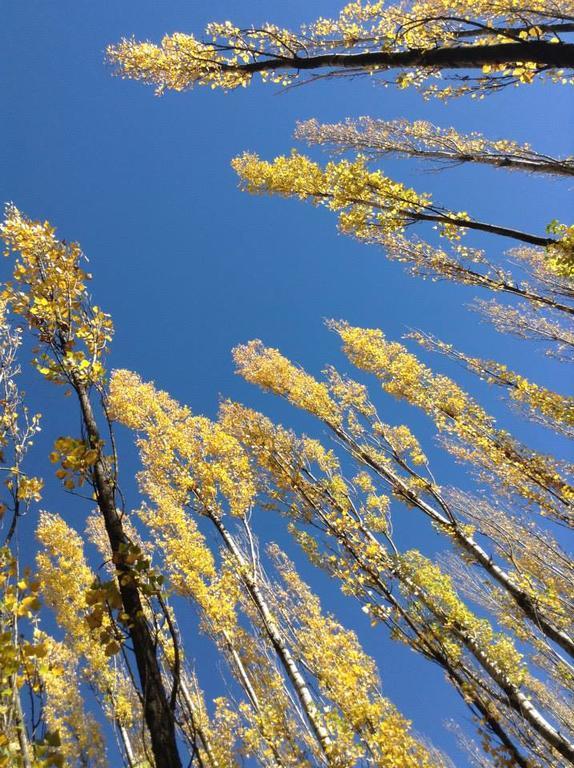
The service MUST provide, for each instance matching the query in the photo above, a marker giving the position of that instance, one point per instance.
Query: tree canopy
(297, 537)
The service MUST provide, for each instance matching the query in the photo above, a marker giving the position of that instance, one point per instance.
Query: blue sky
(188, 266)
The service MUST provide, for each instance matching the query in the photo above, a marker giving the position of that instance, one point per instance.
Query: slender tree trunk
(187, 698)
(126, 744)
(482, 226)
(534, 298)
(545, 54)
(23, 743)
(550, 167)
(158, 715)
(242, 672)
(252, 695)
(289, 664)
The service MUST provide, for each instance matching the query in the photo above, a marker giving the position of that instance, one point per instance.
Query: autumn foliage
(91, 645)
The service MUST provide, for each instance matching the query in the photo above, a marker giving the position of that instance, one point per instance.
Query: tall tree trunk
(157, 712)
(482, 226)
(23, 742)
(550, 167)
(188, 700)
(545, 54)
(275, 636)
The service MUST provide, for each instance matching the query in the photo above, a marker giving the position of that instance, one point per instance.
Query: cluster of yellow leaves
(553, 409)
(18, 599)
(29, 488)
(560, 257)
(341, 403)
(269, 369)
(458, 621)
(188, 461)
(518, 469)
(70, 589)
(523, 71)
(76, 459)
(179, 63)
(81, 741)
(193, 455)
(368, 202)
(189, 563)
(49, 291)
(21, 661)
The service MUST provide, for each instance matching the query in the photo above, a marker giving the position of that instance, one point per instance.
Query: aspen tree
(197, 464)
(368, 568)
(395, 456)
(368, 202)
(373, 208)
(211, 748)
(346, 673)
(409, 44)
(265, 721)
(354, 565)
(80, 737)
(19, 657)
(49, 291)
(366, 725)
(18, 428)
(191, 568)
(19, 602)
(421, 140)
(210, 739)
(542, 566)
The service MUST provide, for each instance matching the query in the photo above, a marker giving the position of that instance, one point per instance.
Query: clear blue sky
(189, 266)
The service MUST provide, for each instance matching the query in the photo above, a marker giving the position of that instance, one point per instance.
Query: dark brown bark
(482, 226)
(545, 54)
(157, 712)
